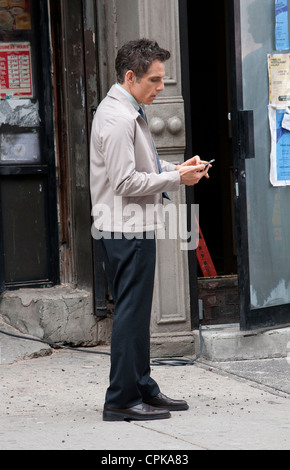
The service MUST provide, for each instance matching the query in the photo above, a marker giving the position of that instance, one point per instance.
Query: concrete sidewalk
(55, 402)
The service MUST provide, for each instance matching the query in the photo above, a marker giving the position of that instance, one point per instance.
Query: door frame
(250, 318)
(190, 200)
(2, 272)
(75, 55)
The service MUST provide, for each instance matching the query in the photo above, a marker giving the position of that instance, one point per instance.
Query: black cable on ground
(170, 361)
(55, 345)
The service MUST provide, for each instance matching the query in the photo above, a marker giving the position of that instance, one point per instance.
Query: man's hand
(191, 175)
(193, 161)
(192, 171)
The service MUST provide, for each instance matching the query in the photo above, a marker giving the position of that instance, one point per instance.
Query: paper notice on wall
(15, 70)
(279, 119)
(279, 79)
(282, 28)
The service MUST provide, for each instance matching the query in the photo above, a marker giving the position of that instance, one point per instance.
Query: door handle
(247, 139)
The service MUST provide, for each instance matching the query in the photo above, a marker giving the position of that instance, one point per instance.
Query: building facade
(57, 63)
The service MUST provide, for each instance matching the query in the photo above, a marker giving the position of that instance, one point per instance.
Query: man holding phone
(125, 165)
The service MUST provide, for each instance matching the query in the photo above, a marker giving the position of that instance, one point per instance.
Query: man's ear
(130, 77)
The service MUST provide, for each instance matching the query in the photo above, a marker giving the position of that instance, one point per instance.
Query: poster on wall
(279, 100)
(15, 15)
(279, 79)
(279, 119)
(15, 70)
(282, 28)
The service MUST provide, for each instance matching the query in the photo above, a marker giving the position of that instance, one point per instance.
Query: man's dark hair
(138, 56)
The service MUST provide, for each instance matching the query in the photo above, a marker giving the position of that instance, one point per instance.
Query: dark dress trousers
(130, 268)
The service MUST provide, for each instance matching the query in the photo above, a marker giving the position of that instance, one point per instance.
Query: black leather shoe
(161, 401)
(142, 412)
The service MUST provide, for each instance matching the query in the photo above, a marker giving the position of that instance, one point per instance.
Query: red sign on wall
(15, 70)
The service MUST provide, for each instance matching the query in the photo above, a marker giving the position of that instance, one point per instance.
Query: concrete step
(229, 343)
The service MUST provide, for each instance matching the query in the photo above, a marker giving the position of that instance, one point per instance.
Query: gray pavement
(55, 401)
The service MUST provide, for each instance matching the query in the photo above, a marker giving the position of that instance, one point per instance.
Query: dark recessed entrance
(207, 103)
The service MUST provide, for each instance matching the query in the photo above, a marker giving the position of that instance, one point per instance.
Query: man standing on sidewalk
(125, 167)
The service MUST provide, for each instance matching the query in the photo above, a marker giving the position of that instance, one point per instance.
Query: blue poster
(282, 29)
(282, 145)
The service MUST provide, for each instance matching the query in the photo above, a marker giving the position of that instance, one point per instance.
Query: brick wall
(220, 299)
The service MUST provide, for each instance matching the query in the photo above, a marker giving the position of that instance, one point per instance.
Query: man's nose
(161, 86)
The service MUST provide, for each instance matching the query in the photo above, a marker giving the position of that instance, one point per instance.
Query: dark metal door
(262, 208)
(27, 159)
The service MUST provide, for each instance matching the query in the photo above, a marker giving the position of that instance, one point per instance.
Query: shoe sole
(115, 416)
(172, 408)
(178, 408)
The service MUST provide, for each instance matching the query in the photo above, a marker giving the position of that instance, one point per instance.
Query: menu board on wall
(15, 70)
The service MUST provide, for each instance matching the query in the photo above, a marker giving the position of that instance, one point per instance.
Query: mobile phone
(209, 163)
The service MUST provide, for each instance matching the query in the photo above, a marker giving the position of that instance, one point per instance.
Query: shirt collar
(129, 96)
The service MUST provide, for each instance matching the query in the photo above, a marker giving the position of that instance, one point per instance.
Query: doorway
(207, 102)
(211, 132)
